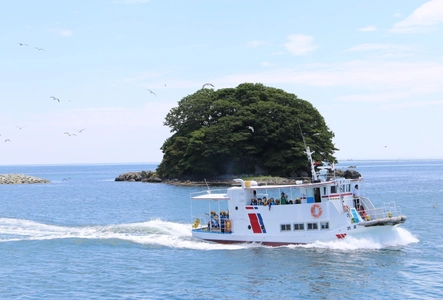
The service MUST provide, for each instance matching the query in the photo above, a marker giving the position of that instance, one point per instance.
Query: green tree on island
(241, 130)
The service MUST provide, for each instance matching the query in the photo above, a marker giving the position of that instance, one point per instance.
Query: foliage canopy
(211, 134)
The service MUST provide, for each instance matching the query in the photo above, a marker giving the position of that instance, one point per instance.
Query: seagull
(67, 133)
(54, 98)
(80, 131)
(435, 205)
(66, 179)
(39, 49)
(21, 127)
(207, 84)
(250, 127)
(152, 92)
(7, 140)
(22, 44)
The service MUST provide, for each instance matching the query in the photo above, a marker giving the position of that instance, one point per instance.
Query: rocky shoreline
(20, 179)
(225, 180)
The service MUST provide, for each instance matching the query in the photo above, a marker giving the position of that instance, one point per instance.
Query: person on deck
(356, 195)
(283, 198)
(356, 192)
(362, 211)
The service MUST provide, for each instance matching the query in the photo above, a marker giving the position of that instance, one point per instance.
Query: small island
(252, 132)
(20, 179)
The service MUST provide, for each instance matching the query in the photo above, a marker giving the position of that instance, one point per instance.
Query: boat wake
(154, 232)
(175, 235)
(383, 239)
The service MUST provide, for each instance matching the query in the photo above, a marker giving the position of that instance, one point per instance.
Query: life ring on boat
(316, 211)
(196, 223)
(228, 226)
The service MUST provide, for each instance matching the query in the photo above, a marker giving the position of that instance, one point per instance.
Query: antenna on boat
(209, 190)
(308, 153)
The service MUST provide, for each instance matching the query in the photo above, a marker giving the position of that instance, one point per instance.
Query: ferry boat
(323, 209)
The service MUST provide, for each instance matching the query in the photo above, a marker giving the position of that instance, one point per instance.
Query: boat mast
(309, 154)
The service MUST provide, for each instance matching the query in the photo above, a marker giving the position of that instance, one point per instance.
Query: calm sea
(89, 237)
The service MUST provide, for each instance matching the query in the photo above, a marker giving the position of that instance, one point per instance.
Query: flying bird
(54, 98)
(22, 44)
(152, 92)
(435, 205)
(7, 140)
(210, 84)
(250, 127)
(39, 49)
(21, 127)
(80, 131)
(67, 133)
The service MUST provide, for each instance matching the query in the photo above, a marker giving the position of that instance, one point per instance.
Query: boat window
(348, 188)
(285, 227)
(299, 226)
(333, 189)
(312, 226)
(317, 196)
(324, 225)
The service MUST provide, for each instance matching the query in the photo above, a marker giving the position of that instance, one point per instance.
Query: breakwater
(20, 179)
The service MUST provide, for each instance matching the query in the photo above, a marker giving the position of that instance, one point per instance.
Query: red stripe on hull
(340, 235)
(254, 223)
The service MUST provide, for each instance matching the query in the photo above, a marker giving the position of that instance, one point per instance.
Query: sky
(373, 69)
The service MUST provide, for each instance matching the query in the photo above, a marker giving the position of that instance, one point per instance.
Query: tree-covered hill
(241, 131)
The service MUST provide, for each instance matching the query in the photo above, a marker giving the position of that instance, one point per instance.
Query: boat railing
(211, 224)
(388, 210)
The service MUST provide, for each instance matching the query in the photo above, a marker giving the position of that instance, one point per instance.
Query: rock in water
(20, 179)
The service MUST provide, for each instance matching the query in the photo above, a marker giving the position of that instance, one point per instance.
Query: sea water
(85, 236)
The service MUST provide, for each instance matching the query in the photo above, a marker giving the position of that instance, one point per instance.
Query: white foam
(176, 235)
(395, 237)
(154, 232)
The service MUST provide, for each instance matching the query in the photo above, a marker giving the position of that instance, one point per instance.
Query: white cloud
(426, 17)
(416, 104)
(375, 98)
(254, 44)
(134, 135)
(300, 44)
(267, 64)
(62, 32)
(371, 47)
(133, 1)
(385, 50)
(368, 28)
(396, 77)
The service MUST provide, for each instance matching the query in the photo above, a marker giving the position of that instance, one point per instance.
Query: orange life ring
(316, 210)
(228, 226)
